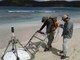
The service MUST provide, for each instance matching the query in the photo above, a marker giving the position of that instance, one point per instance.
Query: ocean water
(11, 15)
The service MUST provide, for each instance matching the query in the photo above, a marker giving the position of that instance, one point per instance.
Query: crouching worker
(51, 25)
(67, 34)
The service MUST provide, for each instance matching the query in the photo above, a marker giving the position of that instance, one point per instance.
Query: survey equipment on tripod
(37, 39)
(13, 35)
(15, 53)
(12, 29)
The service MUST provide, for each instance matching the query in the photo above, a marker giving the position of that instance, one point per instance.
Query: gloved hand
(61, 25)
(40, 32)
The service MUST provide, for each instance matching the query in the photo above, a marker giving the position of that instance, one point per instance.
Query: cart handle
(41, 32)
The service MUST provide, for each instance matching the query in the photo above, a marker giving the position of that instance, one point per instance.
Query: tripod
(13, 41)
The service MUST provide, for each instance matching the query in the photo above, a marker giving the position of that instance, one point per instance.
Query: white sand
(25, 33)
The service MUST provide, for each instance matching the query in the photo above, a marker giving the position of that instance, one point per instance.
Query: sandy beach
(25, 33)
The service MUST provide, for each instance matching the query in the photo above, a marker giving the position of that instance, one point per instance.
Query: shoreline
(24, 29)
(30, 24)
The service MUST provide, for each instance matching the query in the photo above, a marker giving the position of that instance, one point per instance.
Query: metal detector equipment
(35, 42)
(14, 53)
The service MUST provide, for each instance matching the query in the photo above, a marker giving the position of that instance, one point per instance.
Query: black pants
(50, 39)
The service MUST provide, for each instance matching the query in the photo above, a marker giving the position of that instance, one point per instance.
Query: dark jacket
(67, 30)
(49, 26)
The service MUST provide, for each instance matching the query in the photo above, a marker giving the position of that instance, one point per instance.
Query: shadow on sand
(43, 45)
(53, 50)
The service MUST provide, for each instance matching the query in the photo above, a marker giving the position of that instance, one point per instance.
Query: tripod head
(12, 31)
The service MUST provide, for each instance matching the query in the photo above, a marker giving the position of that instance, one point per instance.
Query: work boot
(63, 57)
(50, 47)
(46, 49)
(61, 52)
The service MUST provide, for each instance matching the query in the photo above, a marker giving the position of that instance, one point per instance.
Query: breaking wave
(23, 11)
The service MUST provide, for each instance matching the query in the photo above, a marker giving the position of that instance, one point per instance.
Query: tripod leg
(2, 58)
(6, 50)
(13, 46)
(16, 52)
(18, 58)
(20, 43)
(26, 49)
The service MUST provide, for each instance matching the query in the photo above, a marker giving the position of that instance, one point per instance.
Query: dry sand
(25, 33)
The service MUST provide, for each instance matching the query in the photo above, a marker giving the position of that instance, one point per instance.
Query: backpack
(55, 23)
